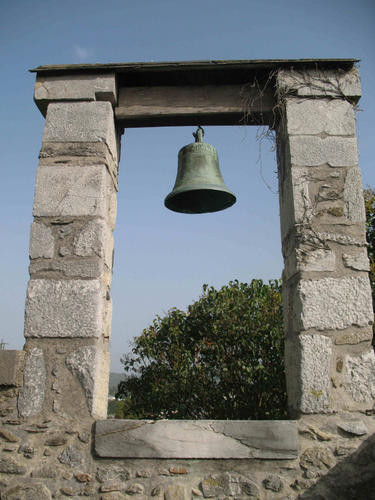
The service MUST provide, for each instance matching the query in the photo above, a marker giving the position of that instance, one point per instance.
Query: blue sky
(162, 258)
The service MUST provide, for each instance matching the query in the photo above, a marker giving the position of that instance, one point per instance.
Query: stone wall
(54, 392)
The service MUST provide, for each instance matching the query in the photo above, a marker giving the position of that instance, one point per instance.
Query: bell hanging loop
(199, 186)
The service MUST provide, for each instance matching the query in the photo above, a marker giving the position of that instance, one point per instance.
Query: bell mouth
(199, 201)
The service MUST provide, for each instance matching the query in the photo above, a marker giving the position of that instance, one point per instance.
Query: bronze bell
(199, 186)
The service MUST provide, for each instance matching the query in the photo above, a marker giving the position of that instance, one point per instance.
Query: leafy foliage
(370, 234)
(222, 359)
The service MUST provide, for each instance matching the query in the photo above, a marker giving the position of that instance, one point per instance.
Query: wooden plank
(193, 105)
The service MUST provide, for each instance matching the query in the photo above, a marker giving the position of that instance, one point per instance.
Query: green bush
(222, 359)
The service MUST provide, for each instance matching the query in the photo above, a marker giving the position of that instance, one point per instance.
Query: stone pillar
(68, 305)
(330, 364)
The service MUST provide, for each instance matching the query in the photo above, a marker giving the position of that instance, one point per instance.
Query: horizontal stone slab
(79, 87)
(320, 82)
(225, 439)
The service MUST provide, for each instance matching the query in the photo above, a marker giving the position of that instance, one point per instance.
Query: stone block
(176, 492)
(332, 303)
(88, 364)
(79, 87)
(317, 82)
(70, 191)
(81, 122)
(353, 196)
(69, 268)
(42, 242)
(34, 491)
(308, 361)
(310, 259)
(95, 239)
(64, 308)
(11, 365)
(312, 151)
(316, 116)
(358, 262)
(196, 439)
(354, 336)
(360, 377)
(31, 397)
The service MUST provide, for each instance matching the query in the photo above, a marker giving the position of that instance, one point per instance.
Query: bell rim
(231, 199)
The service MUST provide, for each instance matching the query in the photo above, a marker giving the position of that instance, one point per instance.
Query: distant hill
(114, 380)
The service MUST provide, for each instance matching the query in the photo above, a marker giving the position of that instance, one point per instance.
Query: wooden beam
(194, 105)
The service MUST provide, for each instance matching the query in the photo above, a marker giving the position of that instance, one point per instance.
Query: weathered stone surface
(176, 492)
(178, 469)
(11, 364)
(63, 308)
(317, 457)
(111, 486)
(355, 427)
(8, 435)
(81, 122)
(273, 483)
(95, 239)
(31, 397)
(70, 191)
(143, 473)
(310, 259)
(135, 489)
(9, 466)
(84, 436)
(70, 268)
(196, 439)
(360, 377)
(27, 492)
(56, 440)
(313, 151)
(27, 450)
(112, 472)
(117, 496)
(196, 492)
(319, 82)
(357, 262)
(308, 377)
(353, 196)
(218, 485)
(333, 303)
(48, 472)
(82, 363)
(321, 435)
(343, 451)
(71, 456)
(41, 241)
(79, 87)
(82, 477)
(354, 336)
(316, 116)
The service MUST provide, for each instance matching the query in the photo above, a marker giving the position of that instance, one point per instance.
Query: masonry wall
(54, 392)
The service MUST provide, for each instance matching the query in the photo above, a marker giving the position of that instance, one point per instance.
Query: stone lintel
(220, 439)
(318, 82)
(74, 87)
(11, 364)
